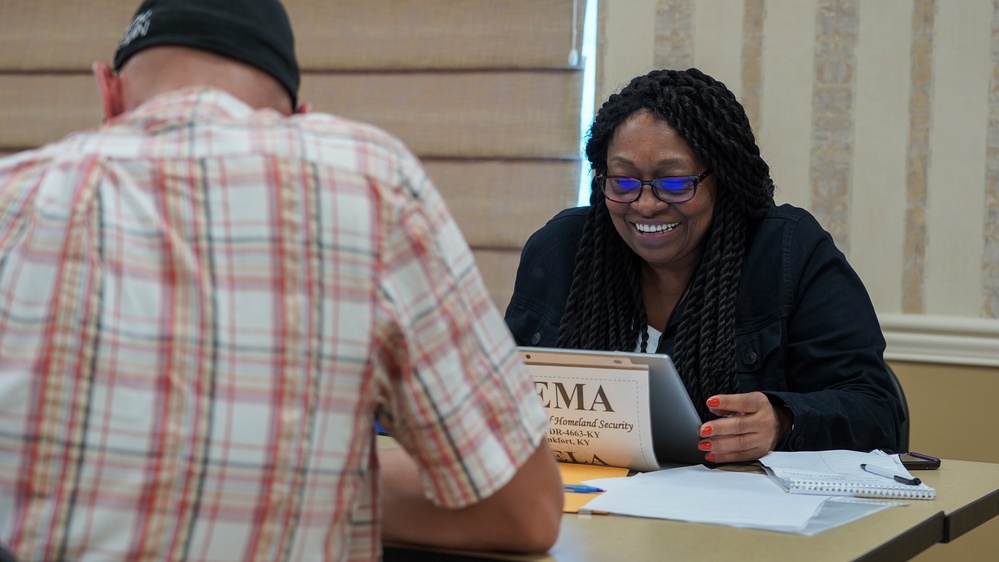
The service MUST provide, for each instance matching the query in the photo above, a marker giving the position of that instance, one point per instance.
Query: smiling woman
(666, 232)
(682, 251)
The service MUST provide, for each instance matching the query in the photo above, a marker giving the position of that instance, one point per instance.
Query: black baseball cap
(256, 32)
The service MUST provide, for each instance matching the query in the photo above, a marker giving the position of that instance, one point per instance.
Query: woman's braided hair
(599, 314)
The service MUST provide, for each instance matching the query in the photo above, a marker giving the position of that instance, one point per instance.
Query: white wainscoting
(941, 339)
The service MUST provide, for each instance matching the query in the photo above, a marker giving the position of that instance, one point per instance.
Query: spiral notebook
(838, 473)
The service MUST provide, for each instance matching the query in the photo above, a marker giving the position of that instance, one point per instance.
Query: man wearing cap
(206, 301)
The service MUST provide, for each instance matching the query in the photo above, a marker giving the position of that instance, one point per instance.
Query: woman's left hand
(749, 428)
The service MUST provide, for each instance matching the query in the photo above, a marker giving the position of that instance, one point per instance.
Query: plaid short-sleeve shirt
(202, 308)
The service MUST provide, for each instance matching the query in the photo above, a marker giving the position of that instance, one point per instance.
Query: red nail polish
(707, 431)
(710, 457)
(704, 445)
(713, 402)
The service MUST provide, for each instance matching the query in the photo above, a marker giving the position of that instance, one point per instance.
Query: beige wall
(905, 90)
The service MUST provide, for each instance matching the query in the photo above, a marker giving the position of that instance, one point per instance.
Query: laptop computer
(675, 423)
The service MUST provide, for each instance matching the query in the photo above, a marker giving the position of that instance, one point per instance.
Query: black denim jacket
(806, 330)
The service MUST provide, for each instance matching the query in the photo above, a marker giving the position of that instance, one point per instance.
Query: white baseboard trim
(952, 340)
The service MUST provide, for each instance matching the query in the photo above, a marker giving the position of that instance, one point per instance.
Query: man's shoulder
(204, 107)
(336, 127)
(348, 145)
(38, 157)
(335, 124)
(216, 123)
(17, 160)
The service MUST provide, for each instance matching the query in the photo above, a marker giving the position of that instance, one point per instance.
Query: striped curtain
(482, 91)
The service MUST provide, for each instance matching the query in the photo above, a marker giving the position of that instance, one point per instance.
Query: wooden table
(967, 496)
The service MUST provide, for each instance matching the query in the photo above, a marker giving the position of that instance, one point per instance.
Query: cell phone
(919, 461)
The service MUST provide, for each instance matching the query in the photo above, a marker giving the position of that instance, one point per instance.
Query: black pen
(874, 469)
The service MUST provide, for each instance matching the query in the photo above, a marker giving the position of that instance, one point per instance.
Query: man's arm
(522, 516)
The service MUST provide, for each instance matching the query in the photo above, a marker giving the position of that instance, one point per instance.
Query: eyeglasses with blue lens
(675, 189)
